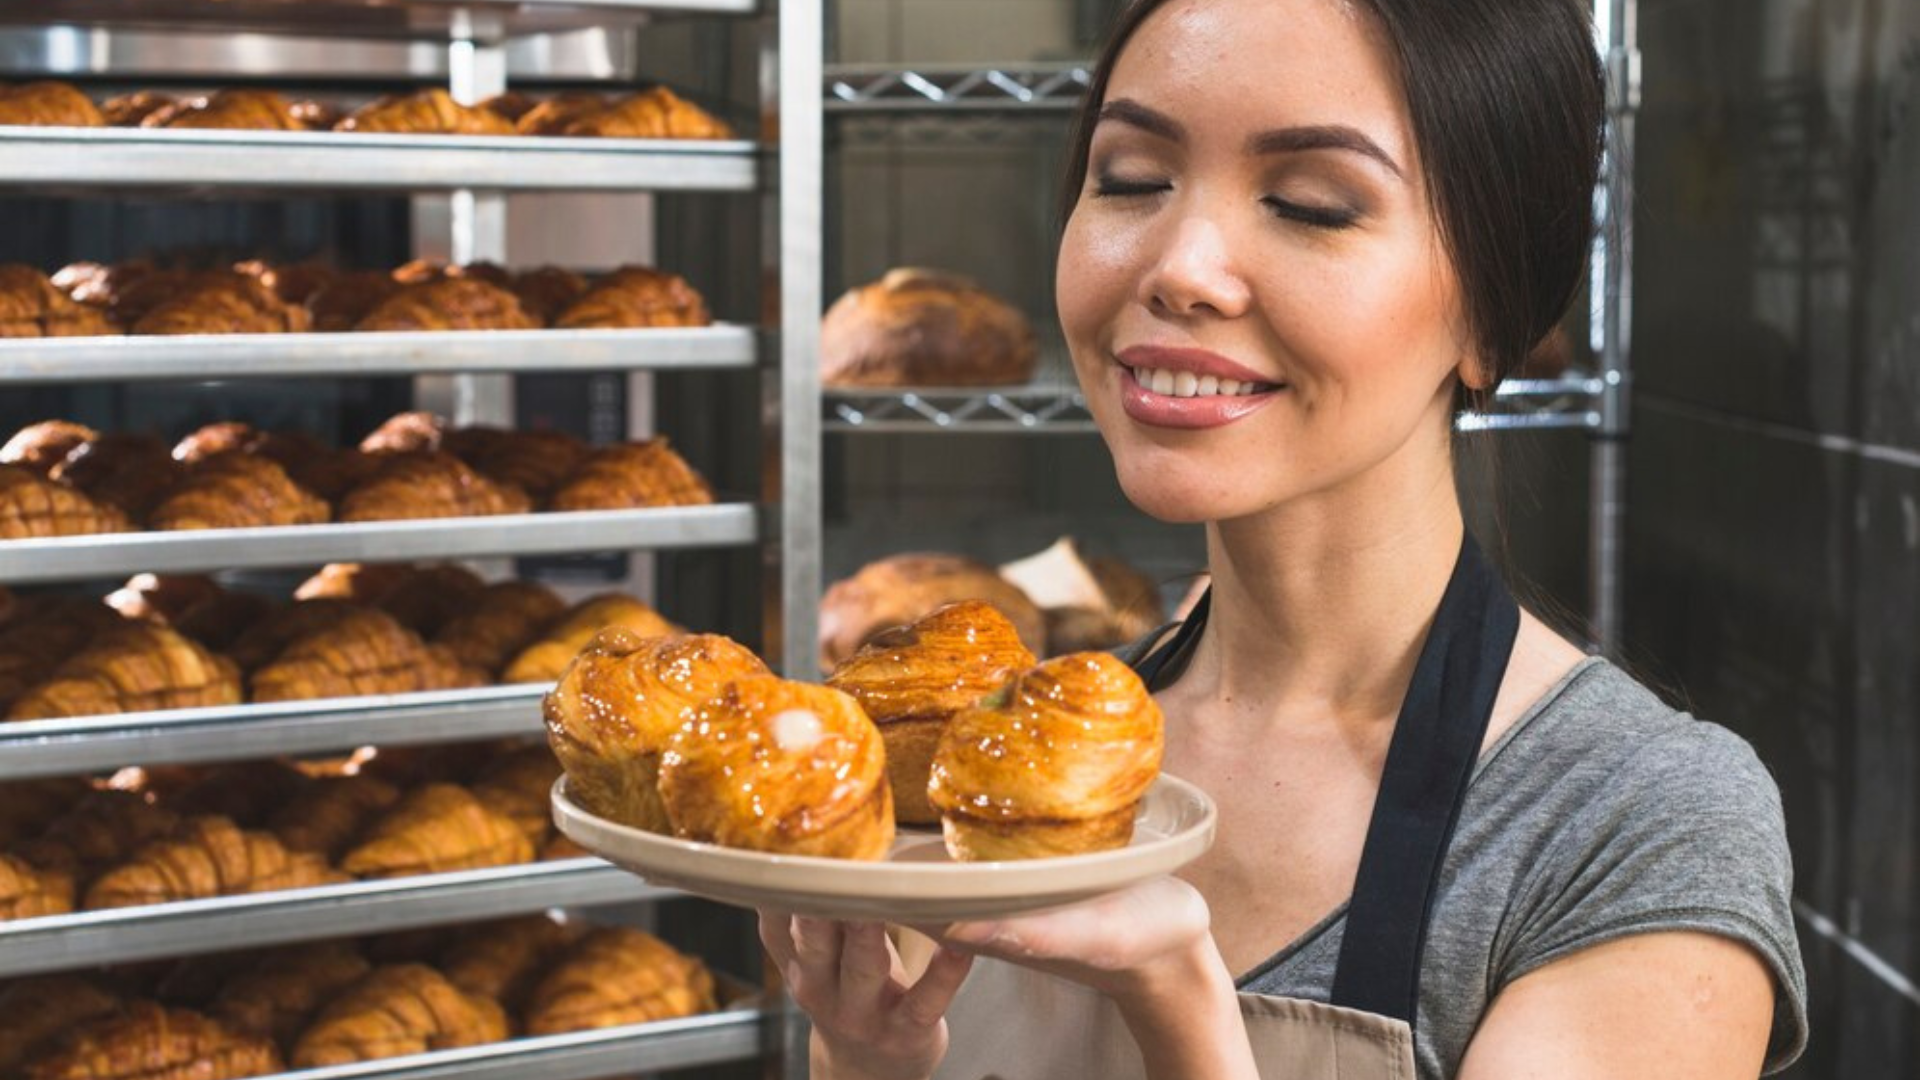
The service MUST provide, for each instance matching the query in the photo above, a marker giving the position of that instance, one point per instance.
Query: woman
(1301, 235)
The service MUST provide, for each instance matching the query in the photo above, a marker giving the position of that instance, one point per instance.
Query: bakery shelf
(111, 555)
(229, 356)
(1010, 88)
(122, 935)
(75, 745)
(411, 20)
(138, 158)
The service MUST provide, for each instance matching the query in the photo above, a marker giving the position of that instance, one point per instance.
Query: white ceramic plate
(917, 882)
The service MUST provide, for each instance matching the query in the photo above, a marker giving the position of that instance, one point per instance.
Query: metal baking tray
(116, 555)
(121, 935)
(94, 744)
(420, 20)
(332, 161)
(260, 356)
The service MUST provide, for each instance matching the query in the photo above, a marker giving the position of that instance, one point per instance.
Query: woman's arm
(1659, 1004)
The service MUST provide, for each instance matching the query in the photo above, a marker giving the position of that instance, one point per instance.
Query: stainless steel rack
(408, 20)
(861, 88)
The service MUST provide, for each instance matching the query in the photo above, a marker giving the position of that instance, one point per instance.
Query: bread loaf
(925, 328)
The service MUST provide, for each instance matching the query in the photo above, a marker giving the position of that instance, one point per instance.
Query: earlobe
(1474, 374)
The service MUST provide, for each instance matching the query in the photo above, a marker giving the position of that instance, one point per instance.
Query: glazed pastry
(41, 446)
(616, 707)
(137, 667)
(105, 828)
(504, 619)
(406, 433)
(230, 304)
(147, 1042)
(518, 785)
(500, 960)
(32, 307)
(48, 104)
(237, 491)
(428, 112)
(428, 596)
(209, 856)
(235, 109)
(913, 679)
(404, 1009)
(635, 297)
(1056, 764)
(896, 591)
(36, 1010)
(132, 472)
(128, 110)
(456, 303)
(925, 328)
(365, 651)
(545, 659)
(436, 829)
(327, 817)
(279, 996)
(29, 892)
(549, 117)
(658, 113)
(780, 766)
(32, 506)
(431, 485)
(342, 302)
(28, 806)
(536, 462)
(632, 476)
(617, 976)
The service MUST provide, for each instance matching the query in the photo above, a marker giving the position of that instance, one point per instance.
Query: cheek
(1094, 275)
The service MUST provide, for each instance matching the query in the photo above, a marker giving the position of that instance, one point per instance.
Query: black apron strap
(1436, 741)
(1163, 664)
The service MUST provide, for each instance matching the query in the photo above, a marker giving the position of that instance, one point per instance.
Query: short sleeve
(1686, 834)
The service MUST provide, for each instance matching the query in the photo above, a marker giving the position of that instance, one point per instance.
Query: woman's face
(1253, 288)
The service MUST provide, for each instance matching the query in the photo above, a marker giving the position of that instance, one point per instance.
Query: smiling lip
(1188, 413)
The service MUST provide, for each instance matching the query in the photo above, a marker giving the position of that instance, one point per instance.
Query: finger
(927, 1001)
(866, 967)
(816, 948)
(776, 935)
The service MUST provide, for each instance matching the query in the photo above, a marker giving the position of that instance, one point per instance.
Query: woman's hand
(868, 1022)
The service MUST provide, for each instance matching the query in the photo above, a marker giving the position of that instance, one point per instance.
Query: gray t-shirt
(1601, 813)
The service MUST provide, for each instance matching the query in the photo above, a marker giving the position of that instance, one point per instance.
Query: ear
(1474, 374)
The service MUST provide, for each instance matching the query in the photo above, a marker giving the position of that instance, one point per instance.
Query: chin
(1170, 488)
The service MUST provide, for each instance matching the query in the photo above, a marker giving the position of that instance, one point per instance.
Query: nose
(1196, 274)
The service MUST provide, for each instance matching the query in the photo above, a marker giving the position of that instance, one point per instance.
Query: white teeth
(1163, 381)
(1209, 385)
(1231, 387)
(1185, 384)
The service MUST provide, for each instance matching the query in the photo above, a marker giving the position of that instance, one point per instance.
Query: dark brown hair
(1508, 104)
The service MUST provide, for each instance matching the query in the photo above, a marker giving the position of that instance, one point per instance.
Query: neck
(1320, 606)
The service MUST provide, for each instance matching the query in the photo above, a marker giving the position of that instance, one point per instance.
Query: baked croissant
(162, 598)
(209, 856)
(213, 440)
(616, 707)
(267, 639)
(615, 976)
(34, 1011)
(545, 659)
(519, 785)
(103, 286)
(132, 472)
(509, 105)
(406, 433)
(224, 619)
(403, 1009)
(534, 461)
(342, 302)
(436, 829)
(41, 446)
(546, 291)
(28, 806)
(460, 303)
(549, 117)
(327, 817)
(426, 597)
(365, 584)
(233, 109)
(32, 506)
(29, 892)
(244, 792)
(238, 491)
(635, 297)
(783, 767)
(229, 304)
(128, 110)
(898, 589)
(105, 828)
(432, 485)
(500, 623)
(148, 1042)
(38, 639)
(133, 668)
(658, 113)
(913, 679)
(364, 652)
(280, 995)
(48, 104)
(1056, 764)
(428, 112)
(32, 307)
(631, 476)
(500, 960)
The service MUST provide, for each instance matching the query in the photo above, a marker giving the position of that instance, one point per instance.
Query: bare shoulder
(1540, 659)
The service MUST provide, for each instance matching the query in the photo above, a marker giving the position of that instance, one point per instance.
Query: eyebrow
(1286, 140)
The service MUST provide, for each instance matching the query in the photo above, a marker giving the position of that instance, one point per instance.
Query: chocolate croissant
(783, 767)
(658, 113)
(616, 976)
(209, 856)
(501, 622)
(145, 1041)
(238, 490)
(437, 829)
(48, 104)
(633, 298)
(32, 506)
(227, 304)
(280, 995)
(239, 109)
(559, 643)
(325, 818)
(41, 446)
(133, 668)
(631, 476)
(32, 307)
(36, 1011)
(501, 960)
(29, 892)
(617, 706)
(462, 303)
(913, 679)
(428, 112)
(365, 651)
(1056, 764)
(431, 485)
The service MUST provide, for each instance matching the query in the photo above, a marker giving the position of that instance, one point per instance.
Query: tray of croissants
(939, 773)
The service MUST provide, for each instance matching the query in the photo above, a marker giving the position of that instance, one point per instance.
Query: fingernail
(972, 933)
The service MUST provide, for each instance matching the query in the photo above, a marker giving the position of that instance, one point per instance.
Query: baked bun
(897, 590)
(618, 704)
(48, 104)
(925, 328)
(778, 766)
(913, 679)
(1056, 764)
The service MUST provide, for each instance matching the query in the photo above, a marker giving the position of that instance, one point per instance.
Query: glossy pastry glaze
(547, 658)
(616, 707)
(779, 766)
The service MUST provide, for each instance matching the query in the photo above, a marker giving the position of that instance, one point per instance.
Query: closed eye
(1121, 187)
(1319, 217)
